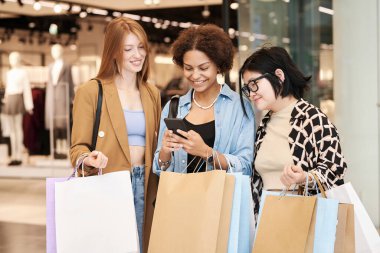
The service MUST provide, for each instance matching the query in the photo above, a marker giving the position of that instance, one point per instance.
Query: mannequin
(17, 101)
(59, 96)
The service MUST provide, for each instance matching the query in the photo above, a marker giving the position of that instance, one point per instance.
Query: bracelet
(164, 165)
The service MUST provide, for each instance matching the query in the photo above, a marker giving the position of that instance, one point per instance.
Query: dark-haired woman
(215, 120)
(294, 137)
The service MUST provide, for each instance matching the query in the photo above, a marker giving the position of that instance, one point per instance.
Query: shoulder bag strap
(173, 106)
(95, 129)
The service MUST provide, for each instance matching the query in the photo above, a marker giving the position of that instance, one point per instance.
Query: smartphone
(174, 124)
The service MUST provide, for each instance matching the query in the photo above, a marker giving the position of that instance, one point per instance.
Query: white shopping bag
(367, 239)
(96, 214)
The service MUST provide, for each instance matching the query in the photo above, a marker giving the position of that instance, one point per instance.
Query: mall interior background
(335, 41)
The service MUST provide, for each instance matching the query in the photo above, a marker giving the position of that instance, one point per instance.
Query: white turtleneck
(18, 83)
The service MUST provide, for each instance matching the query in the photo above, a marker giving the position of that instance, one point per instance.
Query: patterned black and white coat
(314, 145)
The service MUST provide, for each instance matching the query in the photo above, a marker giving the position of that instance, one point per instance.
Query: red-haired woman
(129, 118)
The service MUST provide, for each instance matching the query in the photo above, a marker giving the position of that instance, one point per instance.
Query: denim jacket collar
(186, 99)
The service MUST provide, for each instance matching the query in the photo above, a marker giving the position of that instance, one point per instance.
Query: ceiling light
(234, 6)
(32, 25)
(99, 12)
(167, 40)
(83, 14)
(57, 8)
(76, 8)
(132, 16)
(146, 19)
(185, 25)
(150, 2)
(37, 6)
(116, 14)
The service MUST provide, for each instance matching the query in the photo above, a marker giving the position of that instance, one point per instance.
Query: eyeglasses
(252, 86)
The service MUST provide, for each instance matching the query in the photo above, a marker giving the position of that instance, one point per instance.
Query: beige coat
(114, 143)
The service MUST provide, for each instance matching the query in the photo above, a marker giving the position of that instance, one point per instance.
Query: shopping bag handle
(196, 166)
(321, 189)
(220, 165)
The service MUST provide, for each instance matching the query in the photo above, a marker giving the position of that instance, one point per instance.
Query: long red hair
(112, 58)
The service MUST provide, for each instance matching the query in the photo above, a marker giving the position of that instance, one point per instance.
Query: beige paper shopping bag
(187, 213)
(345, 231)
(285, 225)
(225, 216)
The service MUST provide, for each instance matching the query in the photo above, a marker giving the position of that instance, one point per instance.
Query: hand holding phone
(174, 124)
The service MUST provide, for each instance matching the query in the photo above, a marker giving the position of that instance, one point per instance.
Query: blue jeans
(138, 179)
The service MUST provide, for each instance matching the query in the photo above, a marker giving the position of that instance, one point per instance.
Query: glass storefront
(304, 28)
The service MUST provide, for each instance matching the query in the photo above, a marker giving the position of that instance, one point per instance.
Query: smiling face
(264, 98)
(199, 70)
(134, 54)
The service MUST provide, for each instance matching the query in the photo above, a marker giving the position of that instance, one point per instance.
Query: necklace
(213, 102)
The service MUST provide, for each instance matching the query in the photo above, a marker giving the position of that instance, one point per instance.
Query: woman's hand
(169, 143)
(193, 143)
(293, 174)
(94, 161)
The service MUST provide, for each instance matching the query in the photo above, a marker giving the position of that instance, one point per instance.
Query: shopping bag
(51, 245)
(345, 230)
(233, 240)
(318, 225)
(284, 220)
(242, 217)
(367, 238)
(247, 217)
(225, 215)
(325, 225)
(188, 212)
(96, 214)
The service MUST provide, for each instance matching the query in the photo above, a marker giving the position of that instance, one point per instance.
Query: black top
(207, 132)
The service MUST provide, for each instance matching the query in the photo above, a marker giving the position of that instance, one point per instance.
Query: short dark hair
(209, 39)
(267, 60)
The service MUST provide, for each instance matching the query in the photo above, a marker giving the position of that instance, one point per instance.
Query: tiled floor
(22, 215)
(22, 205)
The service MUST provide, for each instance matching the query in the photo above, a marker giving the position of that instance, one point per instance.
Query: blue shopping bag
(233, 240)
(247, 221)
(241, 216)
(325, 225)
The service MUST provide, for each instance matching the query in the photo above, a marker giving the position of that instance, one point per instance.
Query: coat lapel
(117, 117)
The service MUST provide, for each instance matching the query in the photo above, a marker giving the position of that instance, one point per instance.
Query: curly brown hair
(209, 39)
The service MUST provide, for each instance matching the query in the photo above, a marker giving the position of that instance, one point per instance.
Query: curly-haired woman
(216, 122)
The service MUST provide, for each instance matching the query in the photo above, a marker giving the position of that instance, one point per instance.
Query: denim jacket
(234, 133)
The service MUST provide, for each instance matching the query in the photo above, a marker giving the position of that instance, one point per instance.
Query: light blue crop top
(135, 121)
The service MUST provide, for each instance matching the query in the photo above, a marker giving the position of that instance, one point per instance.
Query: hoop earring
(220, 78)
